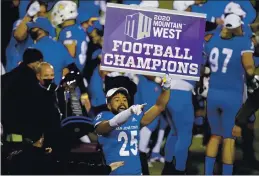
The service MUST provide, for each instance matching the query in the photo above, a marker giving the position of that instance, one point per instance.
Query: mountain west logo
(138, 26)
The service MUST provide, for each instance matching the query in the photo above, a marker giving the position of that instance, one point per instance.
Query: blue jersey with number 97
(121, 144)
(75, 33)
(225, 58)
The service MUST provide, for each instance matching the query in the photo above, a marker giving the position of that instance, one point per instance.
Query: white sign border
(152, 9)
(148, 73)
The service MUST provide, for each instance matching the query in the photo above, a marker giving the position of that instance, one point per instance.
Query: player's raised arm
(20, 33)
(160, 105)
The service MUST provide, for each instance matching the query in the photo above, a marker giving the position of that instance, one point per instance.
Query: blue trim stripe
(76, 121)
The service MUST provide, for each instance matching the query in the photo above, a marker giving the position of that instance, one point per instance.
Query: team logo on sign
(138, 26)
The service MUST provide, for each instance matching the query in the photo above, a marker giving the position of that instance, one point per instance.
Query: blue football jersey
(15, 49)
(208, 8)
(56, 54)
(96, 89)
(13, 57)
(225, 58)
(121, 144)
(75, 33)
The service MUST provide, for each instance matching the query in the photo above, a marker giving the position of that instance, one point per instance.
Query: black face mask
(50, 85)
(34, 35)
(47, 82)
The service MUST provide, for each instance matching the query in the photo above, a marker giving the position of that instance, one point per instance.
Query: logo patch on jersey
(134, 119)
(68, 34)
(99, 116)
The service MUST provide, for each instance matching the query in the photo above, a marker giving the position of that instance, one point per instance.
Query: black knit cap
(31, 55)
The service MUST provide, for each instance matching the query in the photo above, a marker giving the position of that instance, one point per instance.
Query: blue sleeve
(96, 53)
(103, 116)
(249, 9)
(67, 34)
(62, 35)
(247, 30)
(52, 32)
(256, 60)
(68, 59)
(247, 45)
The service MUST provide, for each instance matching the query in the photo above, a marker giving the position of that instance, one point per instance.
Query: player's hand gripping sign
(153, 41)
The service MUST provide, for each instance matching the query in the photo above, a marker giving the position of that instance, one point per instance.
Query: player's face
(118, 103)
(43, 10)
(95, 37)
(35, 32)
(226, 33)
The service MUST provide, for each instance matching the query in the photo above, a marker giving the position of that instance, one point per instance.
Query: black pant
(248, 109)
(30, 161)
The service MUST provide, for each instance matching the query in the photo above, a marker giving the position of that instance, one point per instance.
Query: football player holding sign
(118, 129)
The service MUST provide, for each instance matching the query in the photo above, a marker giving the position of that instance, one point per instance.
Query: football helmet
(235, 9)
(62, 11)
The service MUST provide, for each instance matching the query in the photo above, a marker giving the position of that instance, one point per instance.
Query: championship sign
(153, 41)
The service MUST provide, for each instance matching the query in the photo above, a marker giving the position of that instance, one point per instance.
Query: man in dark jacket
(20, 110)
(49, 100)
(22, 113)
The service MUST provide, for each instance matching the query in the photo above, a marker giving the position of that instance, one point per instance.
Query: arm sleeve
(68, 59)
(248, 46)
(102, 117)
(66, 36)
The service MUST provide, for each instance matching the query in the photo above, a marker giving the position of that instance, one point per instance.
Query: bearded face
(118, 103)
